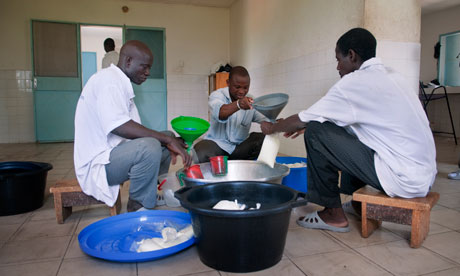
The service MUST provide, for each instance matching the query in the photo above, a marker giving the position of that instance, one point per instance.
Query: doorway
(59, 54)
(92, 47)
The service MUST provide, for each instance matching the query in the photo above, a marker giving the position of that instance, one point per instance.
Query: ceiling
(428, 6)
(201, 3)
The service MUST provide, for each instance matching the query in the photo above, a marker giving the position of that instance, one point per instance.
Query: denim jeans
(140, 161)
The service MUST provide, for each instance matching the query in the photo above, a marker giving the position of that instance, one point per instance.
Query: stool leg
(367, 225)
(420, 227)
(58, 208)
(116, 208)
(61, 212)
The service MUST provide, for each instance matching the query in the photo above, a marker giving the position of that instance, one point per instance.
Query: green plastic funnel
(189, 128)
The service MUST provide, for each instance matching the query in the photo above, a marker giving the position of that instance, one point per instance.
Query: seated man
(231, 118)
(371, 126)
(111, 145)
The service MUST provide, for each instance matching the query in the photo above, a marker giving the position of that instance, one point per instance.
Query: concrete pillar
(396, 26)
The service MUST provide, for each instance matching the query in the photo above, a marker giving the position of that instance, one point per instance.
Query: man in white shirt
(231, 118)
(371, 126)
(111, 56)
(111, 146)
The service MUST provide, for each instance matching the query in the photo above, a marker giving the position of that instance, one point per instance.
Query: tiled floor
(34, 244)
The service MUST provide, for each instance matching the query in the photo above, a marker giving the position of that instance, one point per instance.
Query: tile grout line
(357, 252)
(292, 261)
(69, 243)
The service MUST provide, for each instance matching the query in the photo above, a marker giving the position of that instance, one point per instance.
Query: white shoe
(454, 175)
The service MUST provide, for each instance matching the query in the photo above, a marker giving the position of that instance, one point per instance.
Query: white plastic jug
(169, 187)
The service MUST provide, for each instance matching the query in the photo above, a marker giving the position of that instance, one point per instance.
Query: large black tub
(240, 241)
(22, 186)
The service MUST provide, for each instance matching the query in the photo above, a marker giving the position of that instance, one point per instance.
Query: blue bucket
(297, 177)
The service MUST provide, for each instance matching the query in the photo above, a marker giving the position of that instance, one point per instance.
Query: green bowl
(189, 128)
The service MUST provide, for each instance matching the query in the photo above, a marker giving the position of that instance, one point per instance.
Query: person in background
(371, 126)
(436, 54)
(111, 145)
(111, 56)
(231, 118)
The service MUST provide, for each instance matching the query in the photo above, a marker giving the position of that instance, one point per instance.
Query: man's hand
(294, 134)
(266, 127)
(245, 103)
(177, 146)
(227, 110)
(291, 126)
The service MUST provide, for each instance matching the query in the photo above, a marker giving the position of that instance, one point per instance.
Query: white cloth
(106, 102)
(377, 105)
(235, 129)
(110, 58)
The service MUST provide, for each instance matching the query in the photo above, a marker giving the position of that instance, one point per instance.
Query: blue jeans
(140, 161)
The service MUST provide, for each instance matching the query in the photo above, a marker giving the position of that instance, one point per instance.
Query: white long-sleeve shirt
(386, 115)
(106, 102)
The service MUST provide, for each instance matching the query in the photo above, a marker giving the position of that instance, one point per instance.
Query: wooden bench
(376, 207)
(68, 193)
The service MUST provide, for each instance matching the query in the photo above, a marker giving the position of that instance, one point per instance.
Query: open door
(151, 97)
(57, 80)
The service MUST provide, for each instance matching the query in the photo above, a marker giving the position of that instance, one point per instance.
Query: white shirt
(235, 129)
(110, 58)
(106, 102)
(386, 115)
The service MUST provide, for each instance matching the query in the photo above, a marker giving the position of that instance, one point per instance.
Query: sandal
(313, 221)
(454, 175)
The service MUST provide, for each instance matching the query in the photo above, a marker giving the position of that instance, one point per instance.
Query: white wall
(196, 38)
(288, 47)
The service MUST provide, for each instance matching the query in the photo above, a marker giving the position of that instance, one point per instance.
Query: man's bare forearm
(290, 124)
(133, 130)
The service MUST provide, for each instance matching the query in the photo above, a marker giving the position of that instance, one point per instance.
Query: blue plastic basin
(297, 177)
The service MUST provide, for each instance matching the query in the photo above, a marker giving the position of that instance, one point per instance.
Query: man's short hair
(359, 40)
(238, 71)
(109, 44)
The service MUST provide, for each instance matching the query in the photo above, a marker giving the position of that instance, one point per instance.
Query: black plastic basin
(22, 186)
(240, 241)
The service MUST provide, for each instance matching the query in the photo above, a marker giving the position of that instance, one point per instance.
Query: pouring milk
(269, 149)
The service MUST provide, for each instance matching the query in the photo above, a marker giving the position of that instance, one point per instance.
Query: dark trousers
(330, 149)
(249, 149)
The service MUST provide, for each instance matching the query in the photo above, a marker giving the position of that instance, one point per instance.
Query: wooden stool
(68, 193)
(376, 207)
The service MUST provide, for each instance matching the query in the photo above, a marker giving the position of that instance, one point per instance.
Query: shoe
(454, 175)
(133, 205)
(313, 221)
